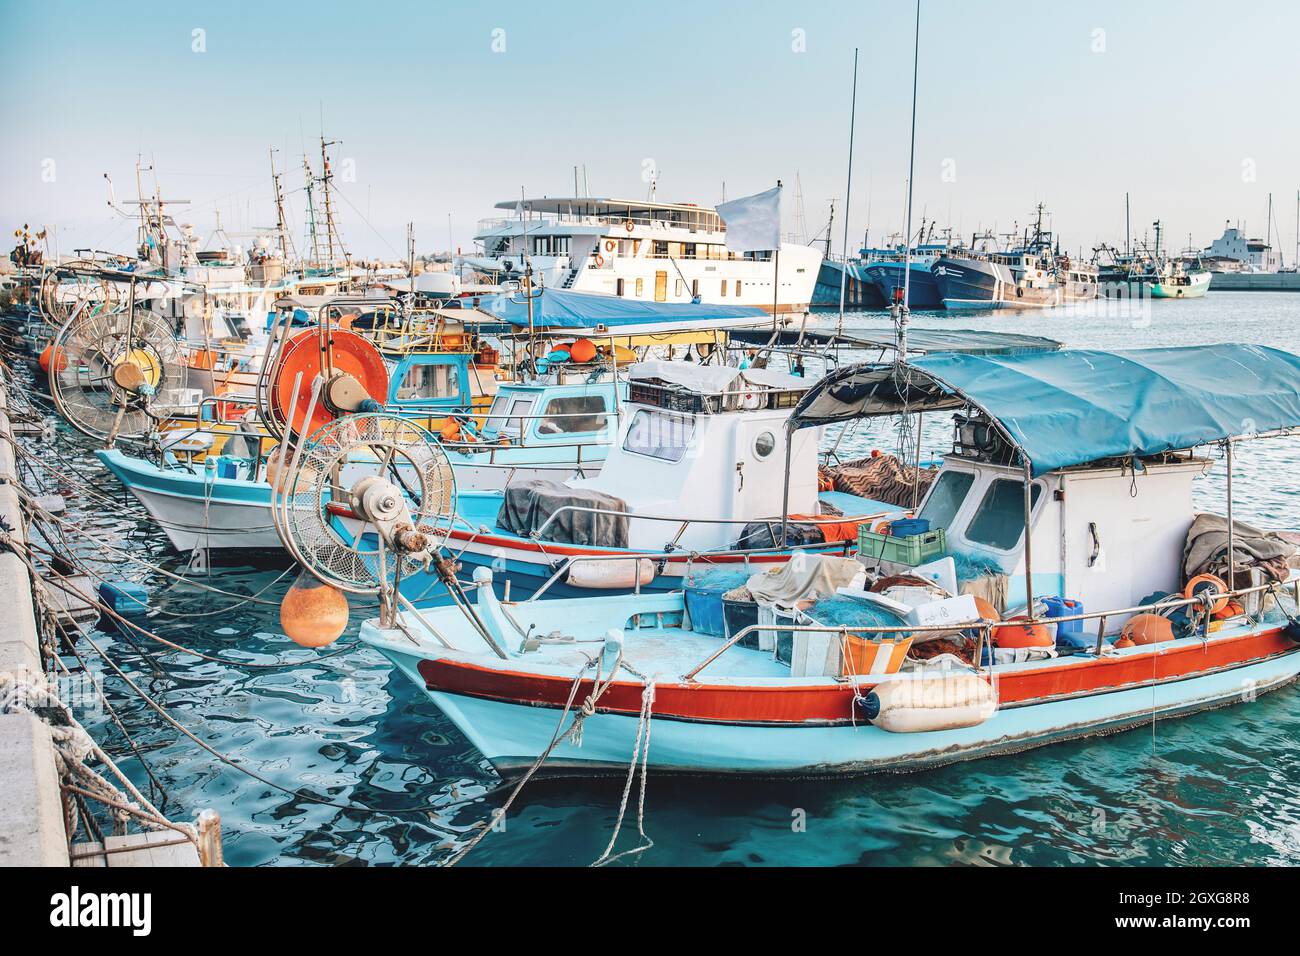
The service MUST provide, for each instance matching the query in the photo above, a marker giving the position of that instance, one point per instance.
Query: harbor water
(396, 784)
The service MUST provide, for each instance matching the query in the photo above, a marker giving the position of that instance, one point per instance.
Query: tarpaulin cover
(528, 504)
(1079, 405)
(560, 309)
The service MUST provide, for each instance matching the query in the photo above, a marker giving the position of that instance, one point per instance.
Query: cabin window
(620, 289)
(429, 382)
(570, 414)
(999, 521)
(640, 287)
(507, 414)
(661, 435)
(724, 288)
(678, 288)
(946, 497)
(737, 288)
(764, 444)
(695, 287)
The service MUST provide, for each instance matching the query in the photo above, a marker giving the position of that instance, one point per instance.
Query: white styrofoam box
(950, 612)
(942, 572)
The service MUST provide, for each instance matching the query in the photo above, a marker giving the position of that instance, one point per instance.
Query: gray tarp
(528, 504)
(1207, 548)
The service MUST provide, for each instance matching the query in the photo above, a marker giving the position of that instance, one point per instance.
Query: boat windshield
(572, 414)
(508, 413)
(660, 434)
(430, 381)
(1000, 519)
(945, 499)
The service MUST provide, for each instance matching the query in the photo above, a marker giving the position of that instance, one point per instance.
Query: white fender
(611, 574)
(940, 702)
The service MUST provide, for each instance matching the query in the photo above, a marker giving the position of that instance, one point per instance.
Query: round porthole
(764, 444)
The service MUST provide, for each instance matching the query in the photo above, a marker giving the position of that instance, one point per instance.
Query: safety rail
(662, 557)
(986, 627)
(686, 522)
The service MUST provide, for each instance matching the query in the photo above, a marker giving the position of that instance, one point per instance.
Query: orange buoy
(1023, 635)
(1148, 629)
(313, 613)
(450, 430)
(583, 351)
(1124, 642)
(1208, 582)
(1230, 609)
(60, 360)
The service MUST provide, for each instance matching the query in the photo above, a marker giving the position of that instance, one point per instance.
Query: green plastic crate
(913, 550)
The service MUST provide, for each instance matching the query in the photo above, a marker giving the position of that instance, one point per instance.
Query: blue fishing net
(716, 579)
(838, 610)
(972, 567)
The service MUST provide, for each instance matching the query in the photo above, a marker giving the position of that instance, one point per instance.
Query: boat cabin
(706, 446)
(553, 413)
(1100, 449)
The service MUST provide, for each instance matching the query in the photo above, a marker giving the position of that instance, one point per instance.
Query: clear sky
(444, 109)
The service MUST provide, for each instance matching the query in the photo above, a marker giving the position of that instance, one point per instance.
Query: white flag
(754, 222)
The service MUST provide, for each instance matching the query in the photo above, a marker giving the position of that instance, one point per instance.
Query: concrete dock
(31, 808)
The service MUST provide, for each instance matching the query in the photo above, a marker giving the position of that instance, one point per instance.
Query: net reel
(112, 372)
(364, 502)
(350, 370)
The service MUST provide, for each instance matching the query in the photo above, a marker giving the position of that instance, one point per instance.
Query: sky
(441, 110)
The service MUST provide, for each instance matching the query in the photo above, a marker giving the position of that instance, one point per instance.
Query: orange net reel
(351, 366)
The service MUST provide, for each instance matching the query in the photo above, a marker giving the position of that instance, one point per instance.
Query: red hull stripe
(831, 704)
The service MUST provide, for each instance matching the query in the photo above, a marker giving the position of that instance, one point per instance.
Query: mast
(848, 189)
(901, 310)
(281, 228)
(1127, 250)
(312, 235)
(332, 236)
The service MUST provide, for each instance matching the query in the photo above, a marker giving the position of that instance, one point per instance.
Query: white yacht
(657, 252)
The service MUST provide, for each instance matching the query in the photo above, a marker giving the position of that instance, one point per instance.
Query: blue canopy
(1079, 405)
(560, 309)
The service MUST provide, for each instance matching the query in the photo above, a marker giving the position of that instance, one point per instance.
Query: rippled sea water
(1217, 788)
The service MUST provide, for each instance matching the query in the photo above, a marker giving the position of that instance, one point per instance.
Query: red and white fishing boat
(1079, 593)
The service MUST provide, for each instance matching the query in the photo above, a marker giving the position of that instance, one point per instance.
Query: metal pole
(785, 488)
(911, 164)
(848, 188)
(1231, 537)
(1029, 541)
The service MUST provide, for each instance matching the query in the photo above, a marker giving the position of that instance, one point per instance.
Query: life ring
(629, 225)
(1208, 582)
(609, 245)
(600, 260)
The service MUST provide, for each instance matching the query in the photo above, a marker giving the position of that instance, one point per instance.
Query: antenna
(848, 189)
(901, 311)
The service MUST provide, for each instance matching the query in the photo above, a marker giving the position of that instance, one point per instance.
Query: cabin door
(661, 286)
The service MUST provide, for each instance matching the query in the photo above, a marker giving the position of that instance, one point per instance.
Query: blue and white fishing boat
(1078, 593)
(549, 431)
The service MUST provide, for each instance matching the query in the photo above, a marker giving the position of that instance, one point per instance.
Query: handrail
(841, 519)
(986, 626)
(662, 557)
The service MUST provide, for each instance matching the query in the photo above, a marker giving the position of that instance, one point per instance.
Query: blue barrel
(125, 597)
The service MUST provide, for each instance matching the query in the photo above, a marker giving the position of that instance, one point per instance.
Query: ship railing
(218, 425)
(986, 628)
(661, 558)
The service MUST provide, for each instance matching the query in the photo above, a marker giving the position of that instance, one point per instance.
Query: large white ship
(656, 252)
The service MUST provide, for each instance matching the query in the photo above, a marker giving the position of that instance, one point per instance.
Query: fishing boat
(1104, 601)
(693, 479)
(1031, 276)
